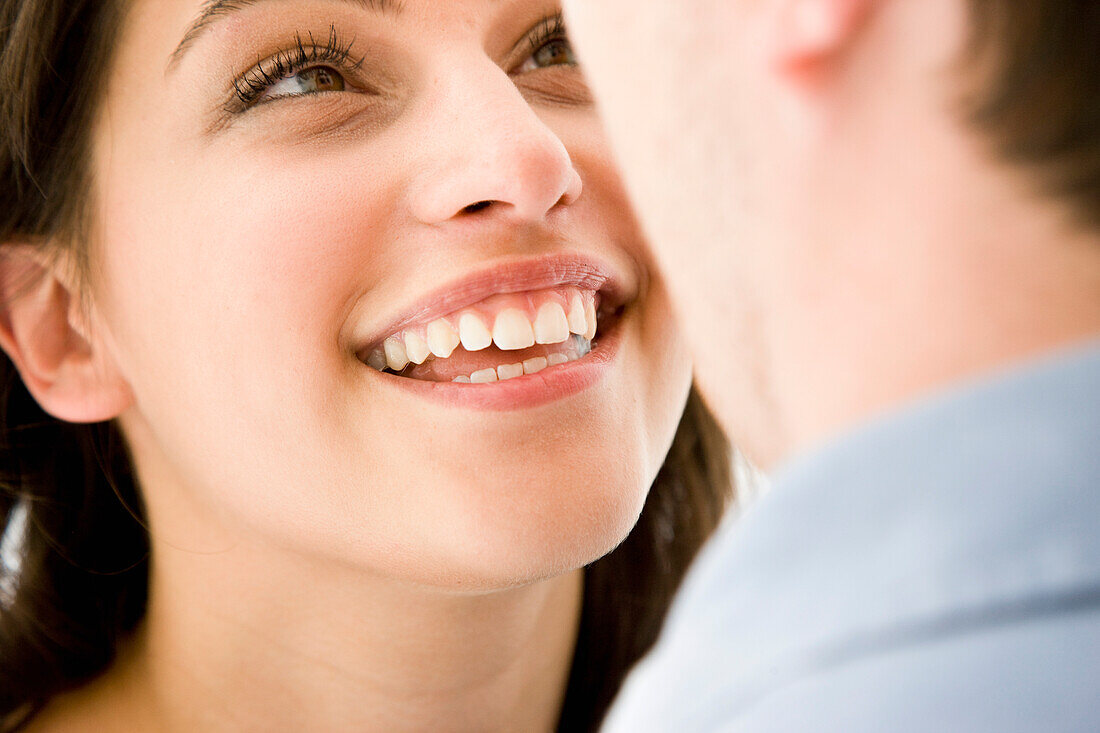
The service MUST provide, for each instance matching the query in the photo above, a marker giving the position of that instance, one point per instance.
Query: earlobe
(806, 34)
(68, 374)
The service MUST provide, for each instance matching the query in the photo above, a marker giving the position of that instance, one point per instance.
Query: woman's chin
(514, 546)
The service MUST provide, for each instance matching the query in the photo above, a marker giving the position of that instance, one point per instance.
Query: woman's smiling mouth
(505, 336)
(520, 319)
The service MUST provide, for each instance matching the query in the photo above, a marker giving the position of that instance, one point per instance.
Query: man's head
(857, 200)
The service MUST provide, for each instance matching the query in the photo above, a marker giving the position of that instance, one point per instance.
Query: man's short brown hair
(1040, 100)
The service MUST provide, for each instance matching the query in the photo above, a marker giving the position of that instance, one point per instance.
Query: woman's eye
(307, 81)
(555, 52)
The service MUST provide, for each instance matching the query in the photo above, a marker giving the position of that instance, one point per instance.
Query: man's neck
(983, 282)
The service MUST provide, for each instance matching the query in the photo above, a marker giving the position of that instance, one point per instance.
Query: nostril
(474, 208)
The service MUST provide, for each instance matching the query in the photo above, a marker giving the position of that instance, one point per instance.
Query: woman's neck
(233, 643)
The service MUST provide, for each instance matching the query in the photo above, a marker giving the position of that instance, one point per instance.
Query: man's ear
(67, 372)
(807, 34)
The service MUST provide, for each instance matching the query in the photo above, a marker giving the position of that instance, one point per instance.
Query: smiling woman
(341, 387)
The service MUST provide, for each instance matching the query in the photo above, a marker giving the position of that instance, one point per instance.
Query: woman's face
(306, 194)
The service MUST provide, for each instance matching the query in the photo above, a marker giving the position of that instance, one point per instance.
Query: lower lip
(531, 390)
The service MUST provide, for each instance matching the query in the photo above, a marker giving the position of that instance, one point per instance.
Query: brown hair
(1037, 95)
(82, 579)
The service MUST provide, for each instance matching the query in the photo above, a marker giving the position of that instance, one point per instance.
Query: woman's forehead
(209, 12)
(172, 28)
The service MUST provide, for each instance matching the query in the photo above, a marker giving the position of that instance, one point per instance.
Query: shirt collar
(979, 502)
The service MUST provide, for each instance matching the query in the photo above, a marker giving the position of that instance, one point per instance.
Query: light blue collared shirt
(937, 570)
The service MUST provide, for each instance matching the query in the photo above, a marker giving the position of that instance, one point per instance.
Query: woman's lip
(531, 390)
(512, 276)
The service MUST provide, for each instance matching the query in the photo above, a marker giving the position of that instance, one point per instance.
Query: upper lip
(512, 276)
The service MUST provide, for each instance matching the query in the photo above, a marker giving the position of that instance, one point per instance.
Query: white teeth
(416, 348)
(551, 325)
(396, 358)
(572, 323)
(535, 365)
(512, 330)
(442, 338)
(483, 376)
(578, 324)
(473, 333)
(590, 320)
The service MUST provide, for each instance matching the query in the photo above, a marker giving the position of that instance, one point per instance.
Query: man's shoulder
(1034, 673)
(895, 553)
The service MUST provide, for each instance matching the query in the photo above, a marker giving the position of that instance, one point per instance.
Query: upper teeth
(551, 325)
(473, 333)
(511, 322)
(442, 338)
(513, 330)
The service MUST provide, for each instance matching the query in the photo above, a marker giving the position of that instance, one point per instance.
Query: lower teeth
(581, 347)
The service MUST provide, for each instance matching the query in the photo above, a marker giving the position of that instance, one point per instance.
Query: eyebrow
(214, 10)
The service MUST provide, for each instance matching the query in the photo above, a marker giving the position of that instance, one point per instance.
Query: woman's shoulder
(98, 707)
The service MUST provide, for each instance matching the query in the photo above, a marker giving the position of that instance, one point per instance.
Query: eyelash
(303, 54)
(551, 28)
(250, 86)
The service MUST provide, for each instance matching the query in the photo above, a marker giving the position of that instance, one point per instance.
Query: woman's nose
(487, 148)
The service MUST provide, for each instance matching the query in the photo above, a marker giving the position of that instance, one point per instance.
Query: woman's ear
(69, 374)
